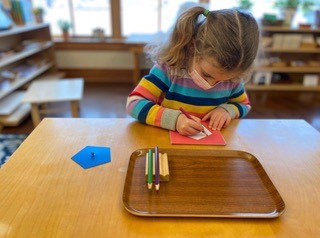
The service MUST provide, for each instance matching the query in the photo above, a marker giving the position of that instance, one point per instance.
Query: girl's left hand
(219, 118)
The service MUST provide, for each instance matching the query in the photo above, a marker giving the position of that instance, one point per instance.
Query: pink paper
(216, 138)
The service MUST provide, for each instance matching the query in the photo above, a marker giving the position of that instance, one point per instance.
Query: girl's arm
(144, 102)
(238, 104)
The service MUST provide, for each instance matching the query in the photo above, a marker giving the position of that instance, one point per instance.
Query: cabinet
(289, 60)
(26, 53)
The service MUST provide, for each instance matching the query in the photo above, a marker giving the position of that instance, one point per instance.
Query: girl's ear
(191, 48)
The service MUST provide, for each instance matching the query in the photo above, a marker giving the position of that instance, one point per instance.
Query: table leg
(75, 108)
(35, 114)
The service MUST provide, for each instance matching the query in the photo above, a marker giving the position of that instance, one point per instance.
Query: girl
(199, 69)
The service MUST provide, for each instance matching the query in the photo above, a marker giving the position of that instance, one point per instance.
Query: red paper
(216, 138)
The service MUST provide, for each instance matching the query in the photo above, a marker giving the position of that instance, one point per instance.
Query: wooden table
(52, 91)
(46, 194)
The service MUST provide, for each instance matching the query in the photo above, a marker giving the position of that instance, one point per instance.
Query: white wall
(77, 59)
(94, 59)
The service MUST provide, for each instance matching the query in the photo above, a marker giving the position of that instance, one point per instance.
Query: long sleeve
(144, 102)
(159, 95)
(238, 104)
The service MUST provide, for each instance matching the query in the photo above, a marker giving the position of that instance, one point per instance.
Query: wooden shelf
(303, 49)
(36, 59)
(11, 102)
(15, 118)
(282, 87)
(289, 30)
(20, 82)
(24, 54)
(22, 29)
(54, 75)
(300, 50)
(289, 69)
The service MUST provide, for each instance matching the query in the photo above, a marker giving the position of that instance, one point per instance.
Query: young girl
(199, 69)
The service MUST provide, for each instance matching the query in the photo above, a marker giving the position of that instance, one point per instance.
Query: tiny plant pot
(304, 26)
(38, 14)
(288, 15)
(38, 18)
(65, 26)
(65, 35)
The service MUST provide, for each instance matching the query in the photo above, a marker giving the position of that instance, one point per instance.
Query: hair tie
(206, 12)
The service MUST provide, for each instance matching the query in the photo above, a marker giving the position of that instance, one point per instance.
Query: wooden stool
(51, 91)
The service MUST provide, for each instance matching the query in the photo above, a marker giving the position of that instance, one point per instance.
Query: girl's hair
(230, 37)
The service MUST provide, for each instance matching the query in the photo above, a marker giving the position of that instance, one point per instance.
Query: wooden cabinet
(26, 53)
(291, 57)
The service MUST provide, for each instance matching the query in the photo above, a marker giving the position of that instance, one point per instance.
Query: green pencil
(150, 169)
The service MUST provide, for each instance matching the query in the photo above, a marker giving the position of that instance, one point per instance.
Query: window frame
(116, 30)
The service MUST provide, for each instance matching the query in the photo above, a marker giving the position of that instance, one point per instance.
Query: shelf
(11, 103)
(34, 60)
(17, 116)
(288, 29)
(55, 75)
(282, 87)
(24, 54)
(20, 82)
(300, 50)
(21, 29)
(289, 69)
(288, 49)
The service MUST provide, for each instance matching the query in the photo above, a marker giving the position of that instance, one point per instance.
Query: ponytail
(179, 47)
(229, 37)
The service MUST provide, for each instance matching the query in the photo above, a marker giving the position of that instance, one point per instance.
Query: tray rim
(242, 215)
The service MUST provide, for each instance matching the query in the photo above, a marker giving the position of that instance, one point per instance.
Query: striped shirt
(159, 95)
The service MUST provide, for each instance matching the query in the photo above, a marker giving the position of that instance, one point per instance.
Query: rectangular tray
(203, 183)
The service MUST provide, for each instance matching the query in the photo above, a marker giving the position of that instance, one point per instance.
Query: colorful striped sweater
(159, 95)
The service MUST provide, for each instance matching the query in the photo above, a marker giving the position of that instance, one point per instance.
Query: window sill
(96, 44)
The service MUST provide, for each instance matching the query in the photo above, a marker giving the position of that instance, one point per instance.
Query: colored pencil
(157, 168)
(150, 169)
(189, 116)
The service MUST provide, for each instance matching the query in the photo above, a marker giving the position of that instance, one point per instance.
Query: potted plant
(38, 13)
(245, 5)
(289, 8)
(65, 27)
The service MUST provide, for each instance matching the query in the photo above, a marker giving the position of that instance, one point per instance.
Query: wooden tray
(203, 183)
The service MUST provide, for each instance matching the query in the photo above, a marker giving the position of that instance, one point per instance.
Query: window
(137, 16)
(91, 14)
(85, 15)
(119, 18)
(151, 16)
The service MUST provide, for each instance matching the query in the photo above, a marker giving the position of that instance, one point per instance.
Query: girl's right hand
(188, 127)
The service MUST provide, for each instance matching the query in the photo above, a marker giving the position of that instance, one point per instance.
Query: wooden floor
(109, 100)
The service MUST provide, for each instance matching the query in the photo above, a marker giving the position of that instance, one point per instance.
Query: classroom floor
(104, 100)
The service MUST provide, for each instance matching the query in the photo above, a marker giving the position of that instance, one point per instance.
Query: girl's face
(208, 70)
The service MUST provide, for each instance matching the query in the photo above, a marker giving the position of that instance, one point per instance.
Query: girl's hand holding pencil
(188, 125)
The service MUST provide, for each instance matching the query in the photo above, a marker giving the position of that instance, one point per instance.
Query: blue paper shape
(91, 156)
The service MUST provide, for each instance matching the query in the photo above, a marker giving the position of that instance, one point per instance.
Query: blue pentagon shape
(91, 156)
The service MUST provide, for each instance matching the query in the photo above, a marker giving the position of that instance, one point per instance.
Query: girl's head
(225, 39)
